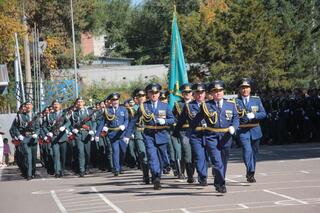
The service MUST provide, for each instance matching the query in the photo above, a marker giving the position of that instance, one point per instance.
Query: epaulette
(232, 100)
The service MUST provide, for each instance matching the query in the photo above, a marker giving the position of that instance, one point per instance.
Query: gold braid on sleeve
(178, 108)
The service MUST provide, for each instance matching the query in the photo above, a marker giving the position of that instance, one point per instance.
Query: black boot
(190, 172)
(145, 170)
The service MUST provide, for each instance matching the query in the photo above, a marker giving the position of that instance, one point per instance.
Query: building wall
(87, 46)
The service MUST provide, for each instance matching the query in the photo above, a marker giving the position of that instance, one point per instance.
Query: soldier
(186, 162)
(115, 121)
(196, 134)
(56, 129)
(251, 111)
(28, 129)
(140, 97)
(157, 118)
(83, 130)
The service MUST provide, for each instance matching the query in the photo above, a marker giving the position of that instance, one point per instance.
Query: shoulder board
(232, 100)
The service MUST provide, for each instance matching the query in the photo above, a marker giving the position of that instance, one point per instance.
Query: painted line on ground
(305, 172)
(58, 202)
(235, 181)
(107, 201)
(243, 205)
(185, 210)
(284, 196)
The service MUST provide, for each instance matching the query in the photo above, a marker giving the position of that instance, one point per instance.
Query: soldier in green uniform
(28, 129)
(56, 129)
(83, 129)
(140, 97)
(186, 162)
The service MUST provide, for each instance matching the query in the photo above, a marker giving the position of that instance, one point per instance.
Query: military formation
(145, 133)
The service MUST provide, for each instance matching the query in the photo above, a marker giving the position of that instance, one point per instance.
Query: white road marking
(107, 201)
(185, 210)
(284, 196)
(243, 205)
(309, 159)
(85, 208)
(1, 169)
(48, 192)
(58, 202)
(305, 172)
(263, 174)
(82, 203)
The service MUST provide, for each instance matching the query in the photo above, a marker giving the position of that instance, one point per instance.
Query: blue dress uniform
(155, 135)
(250, 132)
(195, 133)
(113, 120)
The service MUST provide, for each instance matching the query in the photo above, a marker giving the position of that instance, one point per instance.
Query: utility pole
(27, 57)
(74, 52)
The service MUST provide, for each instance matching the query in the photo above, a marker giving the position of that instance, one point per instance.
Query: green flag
(178, 74)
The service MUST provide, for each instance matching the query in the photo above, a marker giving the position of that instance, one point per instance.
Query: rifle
(82, 125)
(55, 129)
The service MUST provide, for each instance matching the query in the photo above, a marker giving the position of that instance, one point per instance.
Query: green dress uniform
(28, 129)
(57, 128)
(82, 127)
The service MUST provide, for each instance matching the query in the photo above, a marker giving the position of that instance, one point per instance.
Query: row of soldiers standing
(293, 116)
(200, 129)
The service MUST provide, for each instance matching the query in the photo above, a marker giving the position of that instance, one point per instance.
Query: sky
(136, 1)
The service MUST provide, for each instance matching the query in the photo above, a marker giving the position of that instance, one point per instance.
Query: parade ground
(288, 180)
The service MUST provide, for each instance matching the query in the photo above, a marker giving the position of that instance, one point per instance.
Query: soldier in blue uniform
(115, 121)
(157, 118)
(195, 132)
(251, 112)
(56, 129)
(83, 129)
(186, 162)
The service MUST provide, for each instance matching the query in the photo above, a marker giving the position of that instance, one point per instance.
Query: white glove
(231, 130)
(67, 131)
(75, 131)
(306, 117)
(91, 132)
(50, 134)
(96, 139)
(250, 115)
(69, 134)
(126, 140)
(122, 127)
(92, 139)
(161, 121)
(105, 129)
(20, 137)
(45, 138)
(62, 129)
(132, 136)
(34, 136)
(204, 125)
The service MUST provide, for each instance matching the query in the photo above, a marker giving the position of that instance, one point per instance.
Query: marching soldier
(157, 118)
(28, 130)
(186, 162)
(140, 97)
(82, 128)
(251, 112)
(56, 130)
(195, 134)
(114, 122)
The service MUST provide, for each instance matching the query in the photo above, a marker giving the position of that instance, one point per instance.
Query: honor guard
(251, 112)
(190, 115)
(157, 117)
(222, 121)
(57, 129)
(114, 122)
(28, 130)
(140, 97)
(186, 162)
(82, 128)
